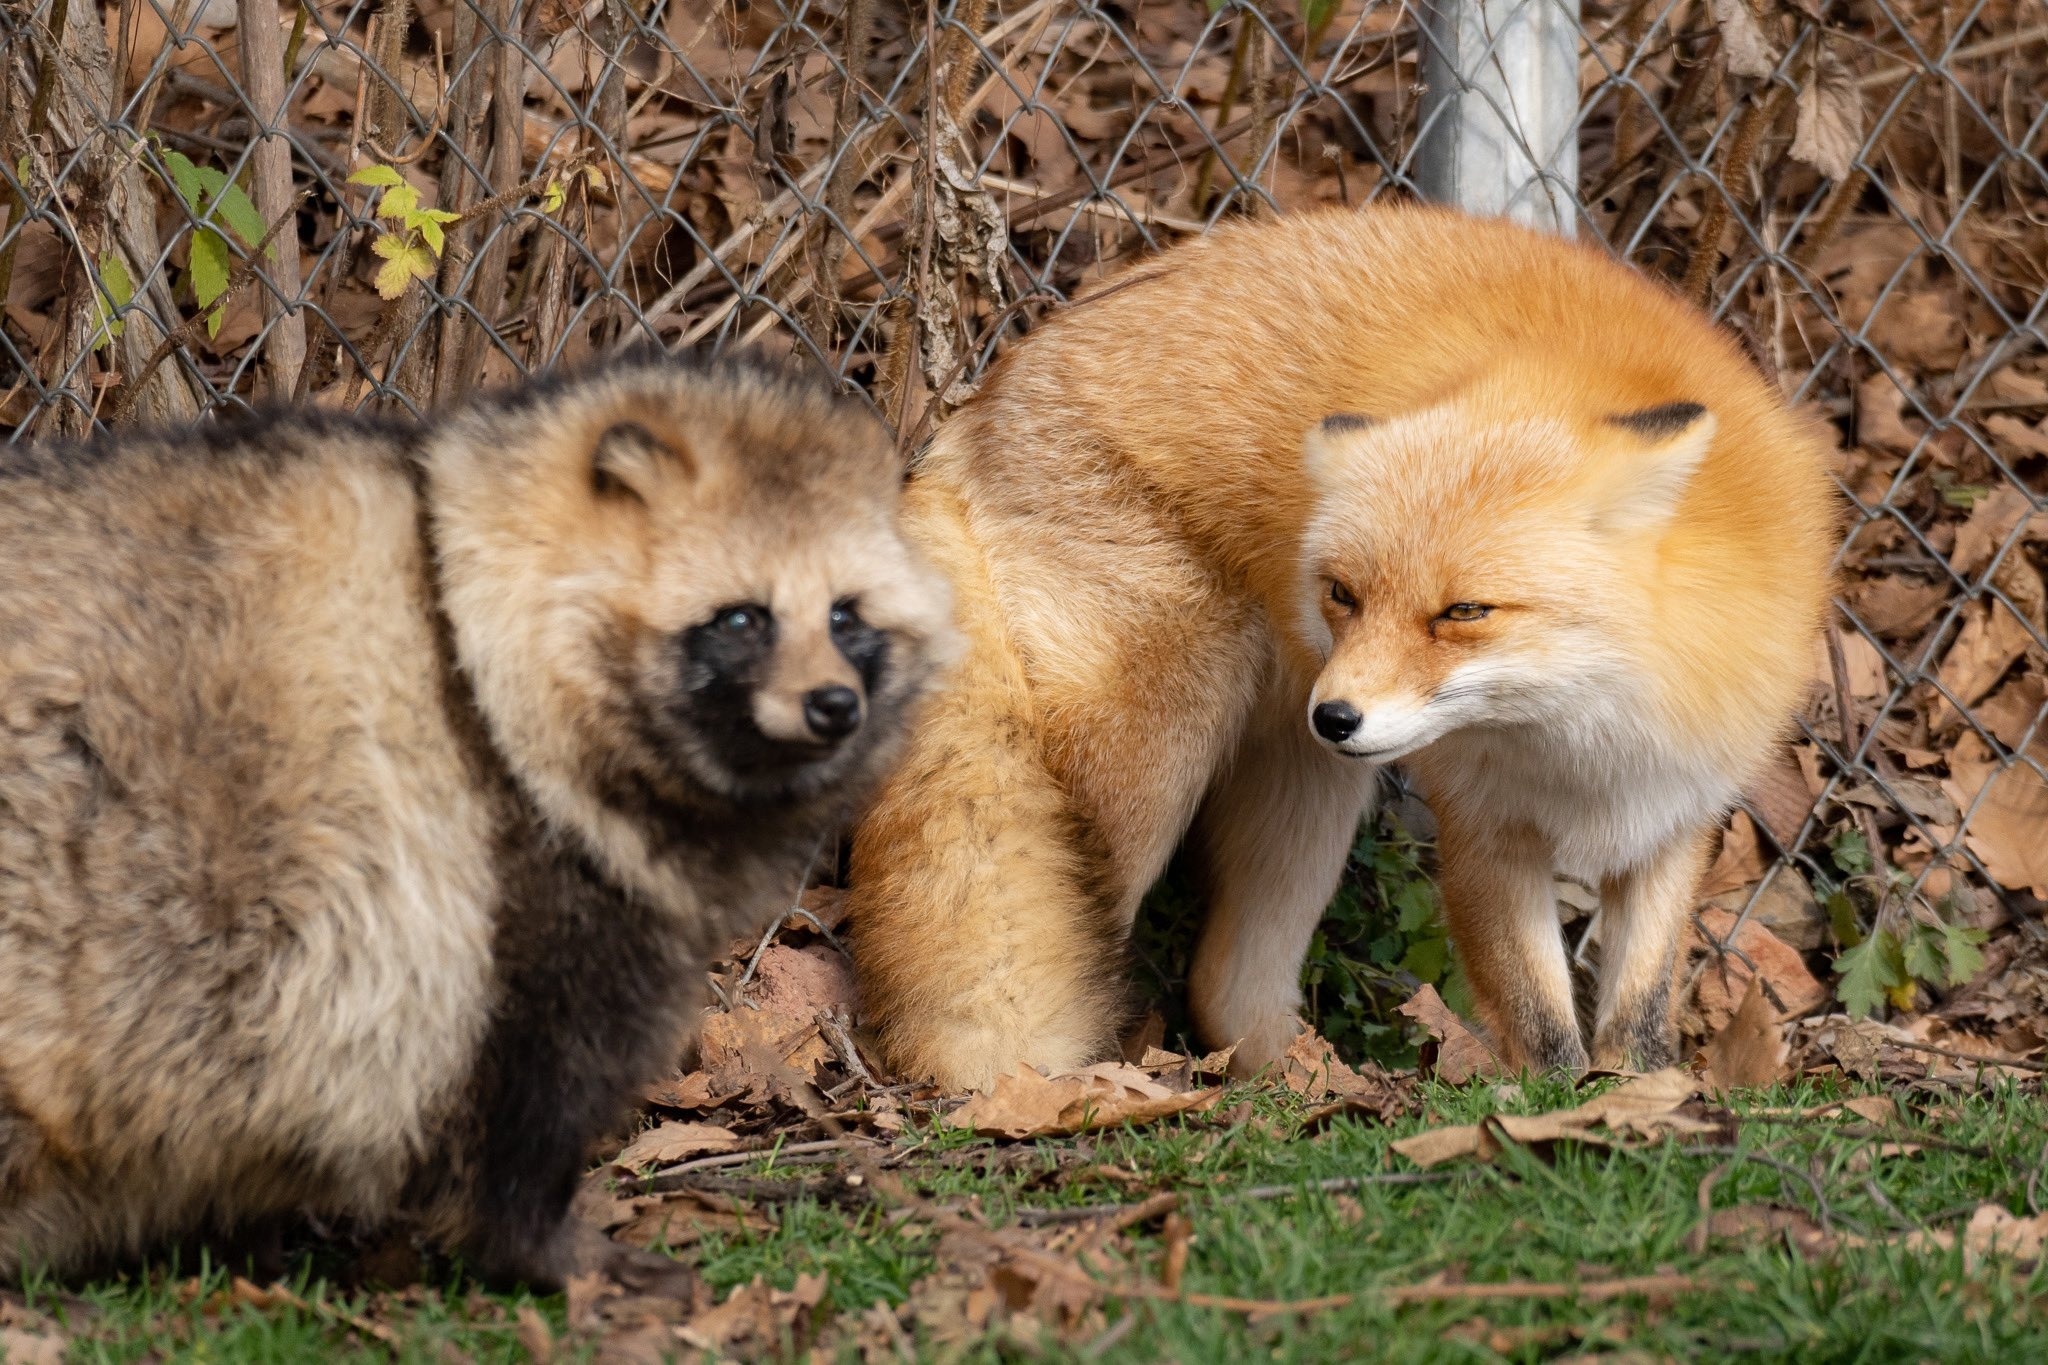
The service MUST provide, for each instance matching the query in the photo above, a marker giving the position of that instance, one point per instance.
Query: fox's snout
(1335, 720)
(1380, 731)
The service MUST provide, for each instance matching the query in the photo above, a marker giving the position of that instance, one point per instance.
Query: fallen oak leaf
(1461, 1055)
(755, 1313)
(673, 1141)
(1646, 1107)
(1751, 1050)
(1993, 1230)
(1027, 1103)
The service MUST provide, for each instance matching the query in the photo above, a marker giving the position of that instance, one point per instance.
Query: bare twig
(262, 61)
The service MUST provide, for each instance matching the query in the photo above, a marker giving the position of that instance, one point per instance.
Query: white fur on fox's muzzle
(1386, 731)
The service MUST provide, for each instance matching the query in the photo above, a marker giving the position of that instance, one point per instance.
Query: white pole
(1500, 108)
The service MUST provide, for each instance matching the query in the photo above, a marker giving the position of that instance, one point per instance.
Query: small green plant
(112, 292)
(1889, 964)
(213, 198)
(413, 250)
(1380, 938)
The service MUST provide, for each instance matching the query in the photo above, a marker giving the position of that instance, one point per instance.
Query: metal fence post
(1500, 108)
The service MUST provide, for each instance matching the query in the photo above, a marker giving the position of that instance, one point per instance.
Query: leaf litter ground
(1831, 1189)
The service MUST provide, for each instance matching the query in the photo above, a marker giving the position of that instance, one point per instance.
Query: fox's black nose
(1337, 720)
(832, 712)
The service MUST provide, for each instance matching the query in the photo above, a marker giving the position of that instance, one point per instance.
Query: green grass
(1583, 1214)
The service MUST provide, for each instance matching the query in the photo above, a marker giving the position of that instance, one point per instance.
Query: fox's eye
(739, 619)
(1465, 611)
(845, 614)
(1341, 595)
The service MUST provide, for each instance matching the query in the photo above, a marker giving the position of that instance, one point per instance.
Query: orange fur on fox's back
(1130, 489)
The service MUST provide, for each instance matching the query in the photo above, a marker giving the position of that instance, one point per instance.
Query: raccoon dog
(1297, 500)
(372, 796)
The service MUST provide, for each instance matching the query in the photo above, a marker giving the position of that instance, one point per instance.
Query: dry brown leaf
(1918, 327)
(1990, 525)
(1751, 1050)
(1879, 1109)
(1439, 1145)
(1312, 1069)
(1829, 129)
(696, 1091)
(1993, 1230)
(2011, 431)
(1461, 1055)
(1642, 1107)
(1726, 978)
(1027, 1103)
(799, 982)
(536, 1338)
(1752, 1223)
(1748, 51)
(669, 1142)
(1741, 861)
(755, 1314)
(1881, 413)
(1779, 795)
(1894, 605)
(2014, 709)
(2007, 810)
(1991, 641)
(18, 1347)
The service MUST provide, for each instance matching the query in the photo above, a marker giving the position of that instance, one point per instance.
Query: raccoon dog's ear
(1320, 448)
(1674, 438)
(628, 459)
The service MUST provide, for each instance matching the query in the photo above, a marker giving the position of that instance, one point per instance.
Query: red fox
(1296, 500)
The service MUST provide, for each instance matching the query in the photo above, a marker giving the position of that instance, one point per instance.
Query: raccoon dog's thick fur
(1559, 546)
(372, 796)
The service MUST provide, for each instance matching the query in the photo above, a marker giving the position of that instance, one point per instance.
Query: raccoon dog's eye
(1465, 611)
(845, 615)
(741, 619)
(1341, 595)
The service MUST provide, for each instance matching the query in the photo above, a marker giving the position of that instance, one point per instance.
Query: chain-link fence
(356, 204)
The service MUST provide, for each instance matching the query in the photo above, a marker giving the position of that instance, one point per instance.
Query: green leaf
(1417, 904)
(405, 261)
(185, 176)
(114, 281)
(377, 175)
(1850, 852)
(1314, 13)
(553, 197)
(1427, 958)
(230, 204)
(1870, 972)
(1925, 960)
(398, 201)
(1842, 919)
(1959, 945)
(430, 232)
(1965, 495)
(116, 291)
(211, 262)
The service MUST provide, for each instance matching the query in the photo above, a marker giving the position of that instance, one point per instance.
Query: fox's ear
(1319, 448)
(627, 462)
(1674, 438)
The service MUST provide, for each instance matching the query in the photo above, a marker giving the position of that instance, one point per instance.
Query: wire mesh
(351, 204)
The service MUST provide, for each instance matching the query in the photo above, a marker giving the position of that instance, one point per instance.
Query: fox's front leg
(1642, 915)
(1502, 911)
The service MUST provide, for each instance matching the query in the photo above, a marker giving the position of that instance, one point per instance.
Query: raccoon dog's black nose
(832, 712)
(1337, 720)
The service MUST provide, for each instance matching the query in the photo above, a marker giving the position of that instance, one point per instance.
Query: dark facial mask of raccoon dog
(371, 797)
